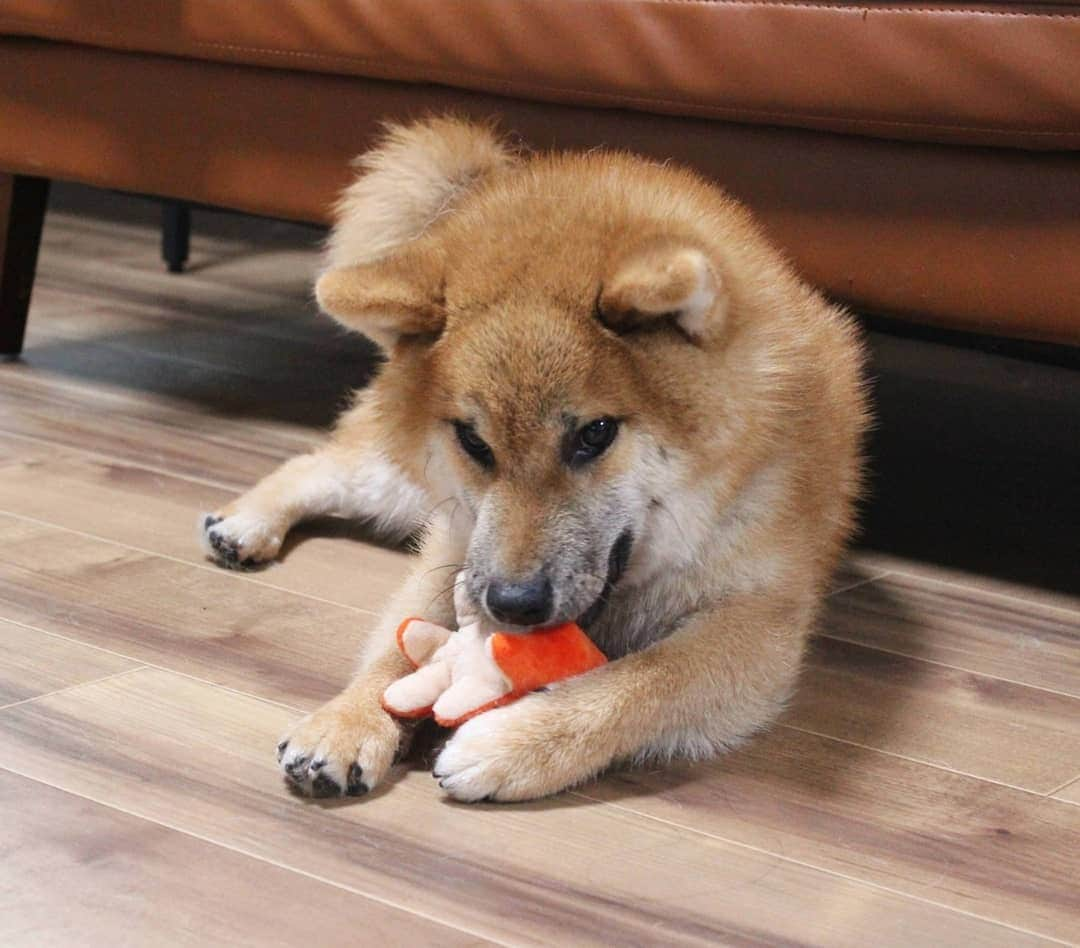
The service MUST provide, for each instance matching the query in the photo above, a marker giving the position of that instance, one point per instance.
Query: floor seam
(144, 665)
(979, 591)
(216, 570)
(809, 865)
(114, 459)
(67, 688)
(1064, 786)
(72, 390)
(259, 858)
(860, 582)
(921, 761)
(934, 661)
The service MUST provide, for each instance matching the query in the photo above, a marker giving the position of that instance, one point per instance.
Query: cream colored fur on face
(528, 296)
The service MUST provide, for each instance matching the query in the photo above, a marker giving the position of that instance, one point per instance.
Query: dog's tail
(412, 176)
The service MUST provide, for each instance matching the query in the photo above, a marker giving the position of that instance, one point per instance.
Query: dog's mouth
(617, 560)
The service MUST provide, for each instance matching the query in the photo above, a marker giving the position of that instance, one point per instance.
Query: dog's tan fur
(529, 295)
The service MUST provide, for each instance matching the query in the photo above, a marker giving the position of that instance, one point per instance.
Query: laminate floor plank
(147, 429)
(993, 587)
(199, 621)
(79, 873)
(231, 273)
(1070, 793)
(568, 870)
(1022, 640)
(33, 663)
(230, 371)
(990, 850)
(332, 559)
(1000, 730)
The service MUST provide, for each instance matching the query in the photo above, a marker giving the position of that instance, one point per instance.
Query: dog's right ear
(666, 280)
(400, 295)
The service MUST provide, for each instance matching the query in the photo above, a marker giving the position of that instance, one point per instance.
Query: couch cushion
(978, 238)
(994, 74)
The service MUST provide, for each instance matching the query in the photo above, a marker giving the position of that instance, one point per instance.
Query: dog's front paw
(340, 750)
(239, 540)
(520, 752)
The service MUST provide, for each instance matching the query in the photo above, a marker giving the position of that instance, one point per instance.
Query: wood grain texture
(33, 663)
(983, 848)
(79, 873)
(151, 431)
(994, 587)
(984, 726)
(151, 510)
(195, 757)
(1033, 641)
(200, 621)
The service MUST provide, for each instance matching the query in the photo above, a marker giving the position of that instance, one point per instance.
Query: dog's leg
(348, 745)
(348, 477)
(721, 676)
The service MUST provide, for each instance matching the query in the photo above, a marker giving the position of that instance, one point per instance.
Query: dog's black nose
(527, 603)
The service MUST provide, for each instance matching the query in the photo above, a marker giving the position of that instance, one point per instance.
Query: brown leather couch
(918, 160)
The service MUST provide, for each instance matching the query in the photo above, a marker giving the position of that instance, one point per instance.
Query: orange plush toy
(461, 674)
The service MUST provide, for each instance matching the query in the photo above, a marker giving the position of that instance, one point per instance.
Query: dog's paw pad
(239, 541)
(330, 754)
(323, 786)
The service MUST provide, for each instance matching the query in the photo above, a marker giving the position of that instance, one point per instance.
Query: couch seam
(613, 98)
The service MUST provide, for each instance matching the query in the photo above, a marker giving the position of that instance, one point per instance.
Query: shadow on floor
(975, 462)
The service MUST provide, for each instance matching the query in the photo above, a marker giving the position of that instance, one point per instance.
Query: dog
(607, 398)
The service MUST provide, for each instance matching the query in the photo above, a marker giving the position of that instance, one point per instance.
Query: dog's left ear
(399, 295)
(670, 281)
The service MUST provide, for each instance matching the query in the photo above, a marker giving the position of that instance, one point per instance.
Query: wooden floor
(924, 788)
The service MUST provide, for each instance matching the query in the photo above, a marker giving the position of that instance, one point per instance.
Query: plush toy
(461, 674)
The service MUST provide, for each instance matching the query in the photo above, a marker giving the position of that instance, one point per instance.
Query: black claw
(296, 768)
(324, 786)
(210, 521)
(281, 750)
(355, 786)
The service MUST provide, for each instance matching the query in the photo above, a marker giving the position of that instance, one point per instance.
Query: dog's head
(546, 343)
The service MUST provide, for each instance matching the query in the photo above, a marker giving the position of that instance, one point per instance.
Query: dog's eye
(473, 445)
(593, 440)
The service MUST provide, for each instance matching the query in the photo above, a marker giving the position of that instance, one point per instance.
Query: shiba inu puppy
(607, 399)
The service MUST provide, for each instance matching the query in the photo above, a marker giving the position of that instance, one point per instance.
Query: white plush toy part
(461, 674)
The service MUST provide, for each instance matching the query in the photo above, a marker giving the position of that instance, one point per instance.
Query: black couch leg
(175, 235)
(22, 212)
